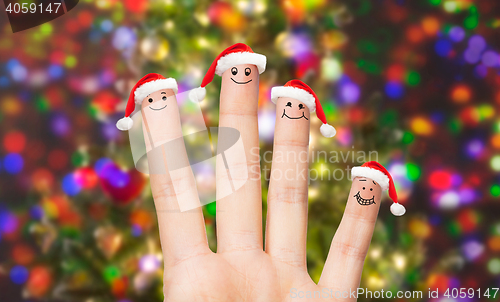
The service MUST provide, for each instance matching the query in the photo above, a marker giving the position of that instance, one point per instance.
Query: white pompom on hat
(375, 171)
(296, 89)
(236, 54)
(148, 84)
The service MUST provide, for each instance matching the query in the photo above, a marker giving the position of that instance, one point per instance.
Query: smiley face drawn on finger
(243, 74)
(157, 100)
(292, 109)
(366, 194)
(301, 108)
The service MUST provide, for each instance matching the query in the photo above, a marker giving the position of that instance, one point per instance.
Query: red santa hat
(148, 84)
(299, 90)
(375, 171)
(236, 54)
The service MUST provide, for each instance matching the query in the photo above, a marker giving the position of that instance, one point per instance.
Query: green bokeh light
(413, 78)
(211, 208)
(111, 273)
(408, 138)
(412, 172)
(495, 190)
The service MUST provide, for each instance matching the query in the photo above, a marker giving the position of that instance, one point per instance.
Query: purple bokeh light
(350, 92)
(490, 58)
(477, 43)
(472, 250)
(475, 148)
(481, 71)
(457, 33)
(472, 56)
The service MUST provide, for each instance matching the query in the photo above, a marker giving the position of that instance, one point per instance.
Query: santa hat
(375, 171)
(236, 54)
(299, 90)
(148, 84)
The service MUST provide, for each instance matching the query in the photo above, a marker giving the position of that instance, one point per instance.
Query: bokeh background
(416, 81)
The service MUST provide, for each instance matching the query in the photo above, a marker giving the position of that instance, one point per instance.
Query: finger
(239, 214)
(286, 227)
(352, 239)
(182, 234)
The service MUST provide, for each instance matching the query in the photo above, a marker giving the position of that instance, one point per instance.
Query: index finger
(182, 234)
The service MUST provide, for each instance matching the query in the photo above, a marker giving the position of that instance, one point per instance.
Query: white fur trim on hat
(294, 93)
(197, 94)
(145, 89)
(239, 58)
(125, 123)
(397, 209)
(327, 130)
(372, 174)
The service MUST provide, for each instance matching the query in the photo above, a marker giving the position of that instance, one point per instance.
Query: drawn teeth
(364, 202)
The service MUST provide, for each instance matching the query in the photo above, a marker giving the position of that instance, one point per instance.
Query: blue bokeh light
(13, 163)
(443, 47)
(394, 90)
(19, 274)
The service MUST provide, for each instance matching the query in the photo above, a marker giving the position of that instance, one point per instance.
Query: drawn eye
(164, 98)
(234, 70)
(289, 104)
(371, 189)
(301, 106)
(363, 188)
(248, 71)
(150, 100)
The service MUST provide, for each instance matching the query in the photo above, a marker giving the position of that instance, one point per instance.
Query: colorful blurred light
(13, 163)
(495, 163)
(101, 163)
(8, 222)
(443, 47)
(477, 43)
(331, 70)
(472, 249)
(449, 200)
(14, 141)
(472, 56)
(467, 195)
(19, 274)
(461, 93)
(490, 58)
(349, 92)
(60, 125)
(475, 148)
(106, 25)
(70, 185)
(394, 90)
(440, 180)
(55, 71)
(495, 190)
(480, 71)
(267, 119)
(494, 266)
(149, 263)
(421, 126)
(457, 33)
(124, 38)
(430, 25)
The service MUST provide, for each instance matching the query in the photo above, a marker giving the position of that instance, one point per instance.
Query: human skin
(241, 269)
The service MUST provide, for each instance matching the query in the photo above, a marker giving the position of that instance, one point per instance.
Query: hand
(241, 269)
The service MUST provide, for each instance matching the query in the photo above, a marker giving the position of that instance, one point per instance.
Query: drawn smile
(294, 118)
(242, 83)
(158, 109)
(364, 202)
